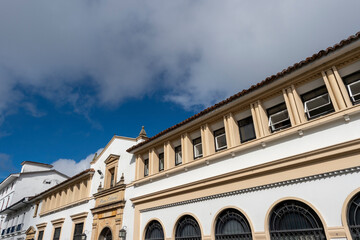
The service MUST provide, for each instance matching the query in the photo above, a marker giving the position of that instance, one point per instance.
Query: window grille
(231, 224)
(353, 217)
(187, 229)
(294, 220)
(197, 147)
(78, 231)
(246, 128)
(220, 139)
(154, 231)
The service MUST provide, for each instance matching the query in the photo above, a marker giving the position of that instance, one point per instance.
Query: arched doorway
(105, 234)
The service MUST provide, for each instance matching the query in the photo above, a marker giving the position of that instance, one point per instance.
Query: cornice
(107, 207)
(109, 191)
(260, 188)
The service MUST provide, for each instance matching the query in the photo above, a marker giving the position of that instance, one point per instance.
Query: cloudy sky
(73, 73)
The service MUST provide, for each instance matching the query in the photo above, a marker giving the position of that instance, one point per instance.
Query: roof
(36, 163)
(267, 81)
(85, 172)
(16, 206)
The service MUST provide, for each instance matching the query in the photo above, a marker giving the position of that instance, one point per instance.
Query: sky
(74, 73)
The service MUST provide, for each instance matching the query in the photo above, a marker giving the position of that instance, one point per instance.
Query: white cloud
(70, 167)
(87, 53)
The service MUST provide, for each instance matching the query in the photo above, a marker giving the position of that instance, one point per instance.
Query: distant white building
(15, 191)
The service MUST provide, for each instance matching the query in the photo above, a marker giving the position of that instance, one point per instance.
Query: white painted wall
(33, 167)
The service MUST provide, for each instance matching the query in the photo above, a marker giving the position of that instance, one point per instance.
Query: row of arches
(290, 219)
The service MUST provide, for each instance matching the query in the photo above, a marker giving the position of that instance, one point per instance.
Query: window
(154, 231)
(295, 220)
(146, 167)
(57, 233)
(187, 228)
(353, 216)
(352, 83)
(317, 103)
(19, 227)
(278, 117)
(13, 229)
(220, 139)
(197, 148)
(112, 177)
(78, 230)
(41, 234)
(246, 128)
(231, 224)
(178, 155)
(161, 161)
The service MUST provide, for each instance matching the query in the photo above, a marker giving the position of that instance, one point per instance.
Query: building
(15, 192)
(280, 160)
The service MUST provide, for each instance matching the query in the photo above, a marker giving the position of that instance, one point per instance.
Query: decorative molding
(58, 221)
(259, 188)
(79, 216)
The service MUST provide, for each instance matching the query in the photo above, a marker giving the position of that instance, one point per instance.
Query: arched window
(232, 224)
(295, 220)
(154, 231)
(353, 216)
(187, 228)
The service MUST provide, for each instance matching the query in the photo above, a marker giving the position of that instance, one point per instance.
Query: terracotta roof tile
(268, 80)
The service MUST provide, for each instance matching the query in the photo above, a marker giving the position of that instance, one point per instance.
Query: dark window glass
(220, 139)
(112, 177)
(178, 155)
(317, 103)
(197, 147)
(154, 231)
(40, 236)
(278, 117)
(57, 233)
(352, 83)
(187, 228)
(353, 217)
(231, 224)
(247, 131)
(78, 231)
(146, 167)
(161, 161)
(295, 220)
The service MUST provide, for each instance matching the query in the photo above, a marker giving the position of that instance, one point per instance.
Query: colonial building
(15, 191)
(280, 160)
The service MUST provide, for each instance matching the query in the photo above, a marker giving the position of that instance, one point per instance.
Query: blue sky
(74, 73)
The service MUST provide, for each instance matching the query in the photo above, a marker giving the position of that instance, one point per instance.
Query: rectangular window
(220, 139)
(112, 177)
(40, 236)
(278, 117)
(178, 155)
(57, 233)
(78, 231)
(246, 128)
(146, 167)
(197, 148)
(317, 103)
(161, 161)
(352, 83)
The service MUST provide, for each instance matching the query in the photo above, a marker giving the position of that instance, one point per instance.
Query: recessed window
(178, 155)
(278, 117)
(353, 216)
(220, 139)
(161, 161)
(352, 83)
(154, 231)
(187, 228)
(317, 103)
(231, 224)
(146, 167)
(246, 128)
(197, 148)
(112, 177)
(78, 230)
(57, 233)
(41, 235)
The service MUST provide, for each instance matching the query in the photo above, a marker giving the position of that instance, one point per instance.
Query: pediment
(30, 230)
(111, 158)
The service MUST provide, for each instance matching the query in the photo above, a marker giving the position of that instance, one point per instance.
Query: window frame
(78, 236)
(178, 151)
(195, 145)
(321, 91)
(217, 134)
(146, 167)
(161, 156)
(351, 79)
(276, 110)
(243, 126)
(56, 228)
